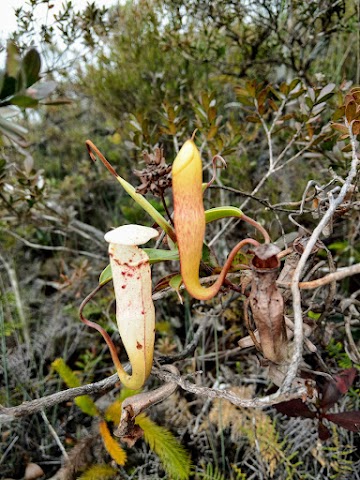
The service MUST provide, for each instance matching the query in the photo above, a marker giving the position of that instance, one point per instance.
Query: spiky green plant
(174, 458)
(211, 473)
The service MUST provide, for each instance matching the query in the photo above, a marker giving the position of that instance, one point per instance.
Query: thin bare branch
(340, 274)
(34, 406)
(28, 408)
(300, 391)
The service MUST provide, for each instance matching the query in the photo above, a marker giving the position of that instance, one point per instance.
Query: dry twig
(28, 408)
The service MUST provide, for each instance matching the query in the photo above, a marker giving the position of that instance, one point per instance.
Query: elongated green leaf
(175, 283)
(31, 65)
(105, 275)
(144, 204)
(155, 256)
(221, 212)
(23, 101)
(326, 92)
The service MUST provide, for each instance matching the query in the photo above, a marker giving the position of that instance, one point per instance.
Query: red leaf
(345, 379)
(338, 386)
(324, 432)
(348, 420)
(295, 408)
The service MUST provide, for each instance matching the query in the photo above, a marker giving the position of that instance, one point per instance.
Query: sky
(8, 19)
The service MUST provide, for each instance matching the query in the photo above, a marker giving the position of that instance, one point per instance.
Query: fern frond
(211, 473)
(84, 402)
(111, 445)
(175, 459)
(98, 472)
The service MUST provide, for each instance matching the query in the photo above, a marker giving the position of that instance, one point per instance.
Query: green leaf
(31, 65)
(242, 92)
(155, 256)
(347, 148)
(175, 282)
(313, 315)
(294, 83)
(296, 94)
(222, 212)
(247, 101)
(326, 92)
(105, 275)
(338, 113)
(145, 205)
(339, 246)
(23, 101)
(309, 102)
